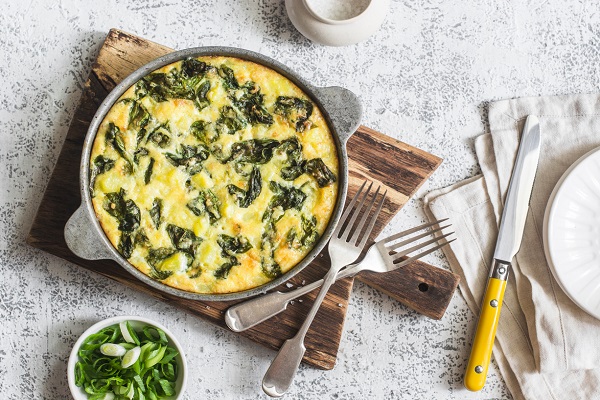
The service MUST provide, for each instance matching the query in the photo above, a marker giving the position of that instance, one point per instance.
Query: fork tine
(424, 253)
(372, 221)
(395, 246)
(363, 219)
(348, 209)
(419, 246)
(412, 230)
(359, 206)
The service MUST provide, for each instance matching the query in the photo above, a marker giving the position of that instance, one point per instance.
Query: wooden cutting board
(402, 169)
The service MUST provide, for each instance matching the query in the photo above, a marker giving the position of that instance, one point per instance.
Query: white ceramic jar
(337, 22)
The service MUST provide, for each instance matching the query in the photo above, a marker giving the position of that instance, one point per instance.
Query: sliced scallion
(128, 333)
(120, 362)
(113, 350)
(130, 357)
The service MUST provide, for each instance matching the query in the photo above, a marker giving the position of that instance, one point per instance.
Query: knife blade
(510, 235)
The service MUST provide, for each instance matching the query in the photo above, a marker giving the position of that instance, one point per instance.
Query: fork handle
(282, 371)
(250, 313)
(280, 375)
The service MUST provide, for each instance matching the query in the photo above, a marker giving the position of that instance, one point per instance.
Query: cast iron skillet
(341, 108)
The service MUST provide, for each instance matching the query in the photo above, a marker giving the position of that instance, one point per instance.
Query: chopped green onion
(127, 391)
(162, 338)
(140, 383)
(155, 356)
(128, 333)
(120, 362)
(113, 350)
(130, 357)
(166, 387)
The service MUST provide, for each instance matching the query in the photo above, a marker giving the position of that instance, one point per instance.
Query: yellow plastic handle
(481, 352)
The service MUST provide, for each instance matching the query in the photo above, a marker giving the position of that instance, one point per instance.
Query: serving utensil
(508, 243)
(381, 257)
(346, 244)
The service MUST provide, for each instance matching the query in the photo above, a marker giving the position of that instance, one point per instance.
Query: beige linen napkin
(546, 347)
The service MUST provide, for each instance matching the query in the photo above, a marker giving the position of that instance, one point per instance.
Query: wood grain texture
(417, 285)
(398, 166)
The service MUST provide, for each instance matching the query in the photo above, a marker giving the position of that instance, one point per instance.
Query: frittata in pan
(214, 174)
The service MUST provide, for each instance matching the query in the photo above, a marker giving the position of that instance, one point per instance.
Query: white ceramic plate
(572, 232)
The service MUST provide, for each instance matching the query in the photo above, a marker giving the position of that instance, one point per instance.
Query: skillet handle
(344, 109)
(82, 239)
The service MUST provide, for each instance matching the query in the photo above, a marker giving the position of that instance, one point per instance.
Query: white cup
(337, 22)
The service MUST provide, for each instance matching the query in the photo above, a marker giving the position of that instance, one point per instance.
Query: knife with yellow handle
(508, 243)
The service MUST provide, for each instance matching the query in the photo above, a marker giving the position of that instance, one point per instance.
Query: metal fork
(381, 257)
(344, 248)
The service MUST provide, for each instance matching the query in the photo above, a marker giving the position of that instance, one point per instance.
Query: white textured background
(425, 77)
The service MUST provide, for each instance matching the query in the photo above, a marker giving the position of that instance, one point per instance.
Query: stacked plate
(572, 232)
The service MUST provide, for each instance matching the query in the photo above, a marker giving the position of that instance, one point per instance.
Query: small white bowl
(336, 32)
(136, 322)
